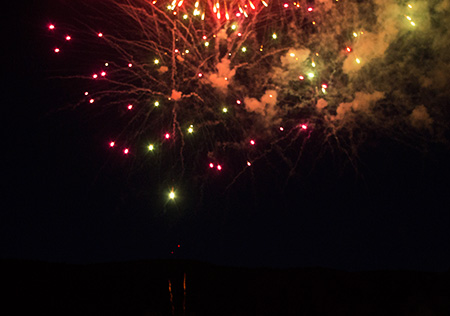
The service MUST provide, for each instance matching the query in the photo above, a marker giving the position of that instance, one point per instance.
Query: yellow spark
(156, 61)
(358, 61)
(244, 49)
(151, 147)
(274, 36)
(191, 129)
(224, 110)
(156, 103)
(172, 195)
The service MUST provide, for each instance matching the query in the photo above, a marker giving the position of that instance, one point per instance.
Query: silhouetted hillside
(142, 288)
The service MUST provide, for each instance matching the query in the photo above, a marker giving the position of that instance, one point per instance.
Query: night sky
(67, 199)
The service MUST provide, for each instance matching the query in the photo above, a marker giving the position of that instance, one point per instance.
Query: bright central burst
(220, 9)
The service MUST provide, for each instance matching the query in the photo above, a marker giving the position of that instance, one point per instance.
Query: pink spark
(51, 27)
(200, 75)
(310, 9)
(249, 163)
(126, 151)
(130, 65)
(286, 5)
(238, 101)
(219, 167)
(348, 49)
(68, 38)
(86, 93)
(100, 34)
(94, 76)
(204, 37)
(91, 101)
(281, 128)
(211, 165)
(304, 126)
(252, 142)
(130, 106)
(167, 135)
(103, 73)
(57, 50)
(112, 144)
(324, 85)
(301, 77)
(239, 34)
(238, 14)
(176, 51)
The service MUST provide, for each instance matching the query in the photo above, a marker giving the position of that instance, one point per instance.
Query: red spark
(301, 77)
(219, 167)
(57, 50)
(324, 85)
(130, 106)
(91, 101)
(103, 73)
(281, 128)
(51, 27)
(130, 65)
(100, 34)
(167, 135)
(348, 49)
(310, 9)
(211, 165)
(112, 144)
(126, 151)
(68, 38)
(86, 93)
(238, 101)
(200, 75)
(252, 142)
(249, 163)
(304, 126)
(94, 76)
(286, 5)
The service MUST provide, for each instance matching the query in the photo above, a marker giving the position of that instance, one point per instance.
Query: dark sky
(66, 200)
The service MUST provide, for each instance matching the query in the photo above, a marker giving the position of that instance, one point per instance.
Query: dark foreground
(142, 288)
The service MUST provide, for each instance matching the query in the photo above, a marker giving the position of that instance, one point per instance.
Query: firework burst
(217, 87)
